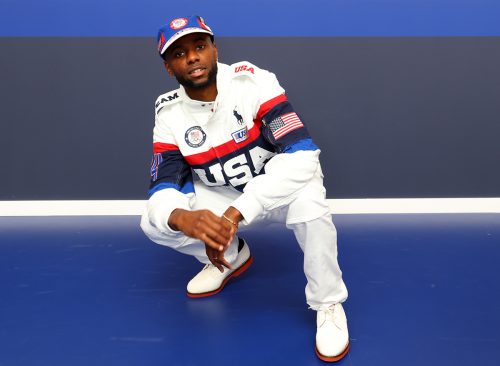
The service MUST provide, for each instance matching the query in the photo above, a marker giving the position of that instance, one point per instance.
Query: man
(230, 151)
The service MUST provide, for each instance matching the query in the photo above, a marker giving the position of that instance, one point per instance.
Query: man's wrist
(230, 220)
(233, 215)
(248, 206)
(173, 220)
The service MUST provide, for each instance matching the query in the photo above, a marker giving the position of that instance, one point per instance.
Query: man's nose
(192, 56)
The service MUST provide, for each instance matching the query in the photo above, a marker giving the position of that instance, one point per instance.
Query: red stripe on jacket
(226, 148)
(270, 104)
(159, 147)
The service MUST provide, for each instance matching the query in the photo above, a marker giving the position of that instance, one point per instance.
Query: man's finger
(216, 223)
(223, 261)
(233, 233)
(216, 263)
(211, 243)
(213, 260)
(214, 240)
(212, 257)
(219, 267)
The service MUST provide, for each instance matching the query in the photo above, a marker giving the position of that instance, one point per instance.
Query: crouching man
(230, 152)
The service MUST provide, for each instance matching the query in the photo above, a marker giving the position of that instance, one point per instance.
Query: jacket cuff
(248, 206)
(160, 206)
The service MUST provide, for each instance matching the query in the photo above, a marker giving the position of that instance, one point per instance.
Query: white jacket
(249, 139)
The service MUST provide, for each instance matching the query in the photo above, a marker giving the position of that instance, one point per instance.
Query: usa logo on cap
(178, 23)
(180, 27)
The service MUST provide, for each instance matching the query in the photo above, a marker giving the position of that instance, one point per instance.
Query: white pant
(307, 215)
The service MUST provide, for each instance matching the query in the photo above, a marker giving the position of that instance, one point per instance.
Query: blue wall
(255, 18)
(403, 97)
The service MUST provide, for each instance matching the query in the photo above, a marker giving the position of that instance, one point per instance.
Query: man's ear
(169, 70)
(216, 52)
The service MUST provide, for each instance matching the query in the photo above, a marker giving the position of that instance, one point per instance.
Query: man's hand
(217, 258)
(216, 232)
(233, 217)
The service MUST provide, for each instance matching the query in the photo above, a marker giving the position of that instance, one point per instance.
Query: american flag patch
(286, 123)
(157, 159)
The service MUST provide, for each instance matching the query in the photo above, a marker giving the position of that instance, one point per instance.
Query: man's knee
(174, 240)
(309, 205)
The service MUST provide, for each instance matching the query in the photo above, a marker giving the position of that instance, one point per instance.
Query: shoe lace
(331, 315)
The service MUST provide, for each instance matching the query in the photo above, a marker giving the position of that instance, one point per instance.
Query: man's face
(192, 59)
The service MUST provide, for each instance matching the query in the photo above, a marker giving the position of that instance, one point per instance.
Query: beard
(189, 84)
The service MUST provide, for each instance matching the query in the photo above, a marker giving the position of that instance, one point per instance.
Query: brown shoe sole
(236, 273)
(334, 358)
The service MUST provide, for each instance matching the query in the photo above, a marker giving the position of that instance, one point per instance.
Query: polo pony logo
(238, 117)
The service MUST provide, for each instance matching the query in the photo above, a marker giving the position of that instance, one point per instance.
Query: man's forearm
(285, 175)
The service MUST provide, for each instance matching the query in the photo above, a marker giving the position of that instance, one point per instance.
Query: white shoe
(332, 336)
(210, 281)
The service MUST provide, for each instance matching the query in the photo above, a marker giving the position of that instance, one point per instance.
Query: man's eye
(179, 54)
(200, 46)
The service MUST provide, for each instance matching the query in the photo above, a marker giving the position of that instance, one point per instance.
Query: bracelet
(231, 221)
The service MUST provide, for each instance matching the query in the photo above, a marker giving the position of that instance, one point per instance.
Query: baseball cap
(178, 28)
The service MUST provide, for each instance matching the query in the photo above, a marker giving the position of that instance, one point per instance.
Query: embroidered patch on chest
(195, 136)
(240, 135)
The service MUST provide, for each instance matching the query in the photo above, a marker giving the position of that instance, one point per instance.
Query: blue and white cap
(178, 28)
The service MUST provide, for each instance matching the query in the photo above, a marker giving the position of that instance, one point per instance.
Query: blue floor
(424, 290)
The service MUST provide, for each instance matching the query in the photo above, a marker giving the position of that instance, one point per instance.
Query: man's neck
(207, 94)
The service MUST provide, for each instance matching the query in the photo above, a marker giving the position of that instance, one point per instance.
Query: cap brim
(182, 33)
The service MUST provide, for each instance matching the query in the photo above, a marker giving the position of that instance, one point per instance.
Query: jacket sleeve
(171, 184)
(296, 161)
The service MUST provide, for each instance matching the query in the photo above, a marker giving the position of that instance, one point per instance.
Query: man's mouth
(197, 72)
